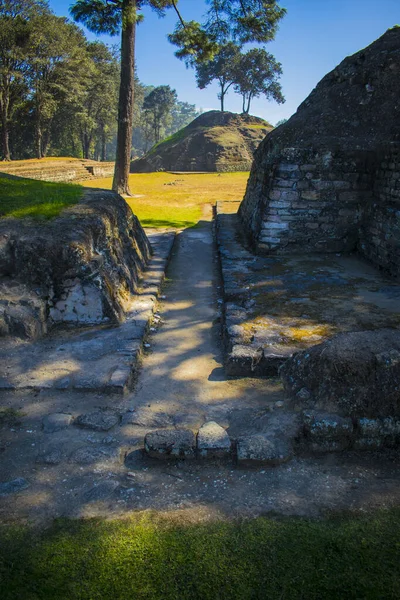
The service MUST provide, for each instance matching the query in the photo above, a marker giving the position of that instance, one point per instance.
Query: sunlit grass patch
(36, 199)
(176, 200)
(150, 557)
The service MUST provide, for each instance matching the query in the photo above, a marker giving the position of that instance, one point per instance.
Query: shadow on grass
(151, 557)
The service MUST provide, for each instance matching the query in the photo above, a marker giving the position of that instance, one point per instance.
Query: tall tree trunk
(38, 136)
(46, 140)
(248, 104)
(222, 96)
(125, 102)
(103, 145)
(5, 101)
(244, 105)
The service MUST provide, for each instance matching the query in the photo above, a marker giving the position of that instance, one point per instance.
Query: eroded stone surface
(349, 373)
(84, 265)
(13, 487)
(262, 449)
(173, 443)
(87, 455)
(213, 441)
(102, 420)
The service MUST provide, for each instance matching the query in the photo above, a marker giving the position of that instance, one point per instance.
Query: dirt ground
(66, 470)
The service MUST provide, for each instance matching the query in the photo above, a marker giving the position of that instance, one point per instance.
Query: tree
(15, 32)
(53, 46)
(256, 73)
(158, 104)
(182, 114)
(250, 20)
(99, 97)
(222, 68)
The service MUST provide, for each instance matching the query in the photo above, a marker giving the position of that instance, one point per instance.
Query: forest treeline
(59, 91)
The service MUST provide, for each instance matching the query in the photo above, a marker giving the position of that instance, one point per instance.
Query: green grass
(149, 557)
(36, 199)
(168, 200)
(10, 416)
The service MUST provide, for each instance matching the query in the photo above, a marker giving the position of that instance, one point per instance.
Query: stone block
(260, 449)
(173, 443)
(213, 441)
(323, 425)
(56, 422)
(102, 420)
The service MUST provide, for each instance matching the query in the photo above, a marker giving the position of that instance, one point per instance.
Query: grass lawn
(168, 200)
(37, 199)
(149, 557)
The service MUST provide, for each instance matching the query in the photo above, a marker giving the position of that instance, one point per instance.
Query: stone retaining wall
(380, 228)
(327, 201)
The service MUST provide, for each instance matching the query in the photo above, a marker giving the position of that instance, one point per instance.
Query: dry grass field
(168, 200)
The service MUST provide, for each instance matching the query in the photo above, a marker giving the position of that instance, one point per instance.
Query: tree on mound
(245, 20)
(256, 74)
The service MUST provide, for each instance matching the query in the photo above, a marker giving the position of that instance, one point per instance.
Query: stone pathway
(74, 453)
(279, 305)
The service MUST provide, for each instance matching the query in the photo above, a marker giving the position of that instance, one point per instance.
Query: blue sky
(313, 38)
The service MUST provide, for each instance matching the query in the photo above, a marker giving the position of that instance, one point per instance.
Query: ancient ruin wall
(312, 201)
(320, 182)
(380, 226)
(78, 269)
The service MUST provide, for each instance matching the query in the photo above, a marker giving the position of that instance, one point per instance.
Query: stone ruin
(328, 180)
(320, 216)
(78, 269)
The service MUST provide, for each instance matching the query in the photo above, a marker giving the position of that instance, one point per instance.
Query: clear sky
(313, 38)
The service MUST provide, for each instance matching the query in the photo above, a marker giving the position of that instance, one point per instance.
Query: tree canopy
(242, 20)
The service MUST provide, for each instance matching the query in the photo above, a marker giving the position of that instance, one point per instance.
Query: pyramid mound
(327, 180)
(215, 141)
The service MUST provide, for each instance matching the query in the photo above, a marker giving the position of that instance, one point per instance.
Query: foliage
(168, 200)
(222, 68)
(242, 20)
(163, 557)
(37, 199)
(157, 105)
(256, 73)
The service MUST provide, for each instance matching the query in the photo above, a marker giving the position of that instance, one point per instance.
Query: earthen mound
(78, 269)
(215, 141)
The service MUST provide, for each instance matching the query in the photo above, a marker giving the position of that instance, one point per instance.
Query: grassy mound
(36, 199)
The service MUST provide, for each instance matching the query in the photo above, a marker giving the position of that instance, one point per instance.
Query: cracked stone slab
(50, 456)
(262, 449)
(87, 455)
(102, 420)
(174, 443)
(213, 441)
(56, 422)
(13, 487)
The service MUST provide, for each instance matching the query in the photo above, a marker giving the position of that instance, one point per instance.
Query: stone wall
(328, 180)
(312, 201)
(83, 267)
(380, 227)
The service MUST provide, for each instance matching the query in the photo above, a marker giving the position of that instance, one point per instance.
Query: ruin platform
(95, 359)
(278, 305)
